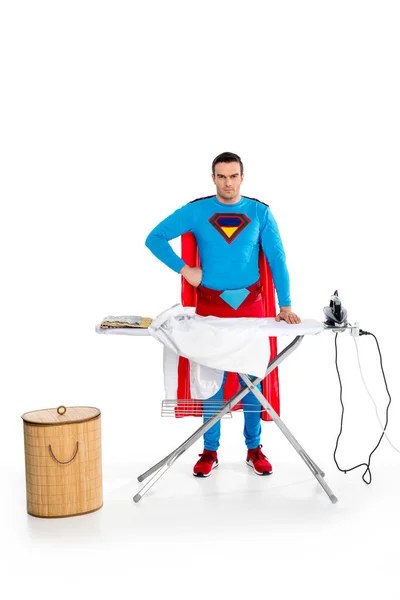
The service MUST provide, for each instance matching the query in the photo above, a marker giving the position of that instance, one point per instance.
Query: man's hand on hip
(193, 275)
(286, 314)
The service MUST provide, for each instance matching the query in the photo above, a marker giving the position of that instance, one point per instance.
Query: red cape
(269, 385)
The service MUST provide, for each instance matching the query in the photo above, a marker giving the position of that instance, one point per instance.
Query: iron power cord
(372, 400)
(367, 465)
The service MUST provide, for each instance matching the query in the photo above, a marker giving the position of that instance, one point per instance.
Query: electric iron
(336, 315)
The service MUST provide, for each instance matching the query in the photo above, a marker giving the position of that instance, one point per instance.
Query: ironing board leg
(316, 471)
(163, 465)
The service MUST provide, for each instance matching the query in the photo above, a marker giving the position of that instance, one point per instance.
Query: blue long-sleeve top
(228, 238)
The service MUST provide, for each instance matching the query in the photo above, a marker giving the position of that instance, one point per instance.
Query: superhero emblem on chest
(229, 225)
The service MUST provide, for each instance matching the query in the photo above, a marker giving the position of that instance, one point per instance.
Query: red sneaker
(207, 462)
(259, 462)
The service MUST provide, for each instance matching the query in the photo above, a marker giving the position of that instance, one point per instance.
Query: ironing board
(272, 328)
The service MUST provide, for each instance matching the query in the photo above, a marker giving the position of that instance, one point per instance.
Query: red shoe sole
(248, 462)
(208, 474)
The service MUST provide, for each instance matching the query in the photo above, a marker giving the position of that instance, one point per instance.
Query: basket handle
(67, 461)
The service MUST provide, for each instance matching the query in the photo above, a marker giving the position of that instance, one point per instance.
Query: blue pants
(252, 418)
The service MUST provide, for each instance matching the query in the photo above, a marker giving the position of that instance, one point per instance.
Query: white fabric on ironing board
(214, 345)
(204, 381)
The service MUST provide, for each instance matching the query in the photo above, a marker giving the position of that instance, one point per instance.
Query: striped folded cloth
(130, 321)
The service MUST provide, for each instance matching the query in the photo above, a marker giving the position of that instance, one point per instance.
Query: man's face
(228, 180)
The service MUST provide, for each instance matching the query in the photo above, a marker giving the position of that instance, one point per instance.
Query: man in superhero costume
(233, 235)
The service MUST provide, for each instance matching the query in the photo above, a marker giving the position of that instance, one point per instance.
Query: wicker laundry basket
(63, 461)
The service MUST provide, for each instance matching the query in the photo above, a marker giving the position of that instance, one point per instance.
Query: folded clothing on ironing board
(127, 321)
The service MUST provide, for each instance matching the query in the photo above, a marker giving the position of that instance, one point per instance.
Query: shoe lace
(257, 454)
(208, 458)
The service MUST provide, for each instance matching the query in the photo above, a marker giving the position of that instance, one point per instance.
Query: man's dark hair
(227, 157)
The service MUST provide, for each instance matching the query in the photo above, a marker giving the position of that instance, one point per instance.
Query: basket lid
(61, 415)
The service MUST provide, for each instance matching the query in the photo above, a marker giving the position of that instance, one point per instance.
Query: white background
(111, 114)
